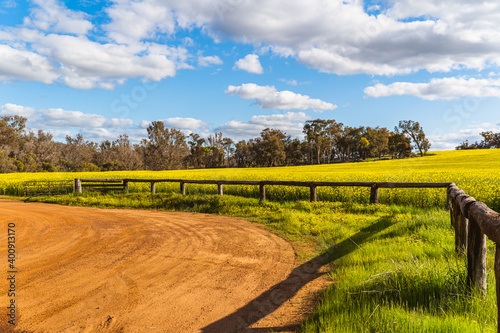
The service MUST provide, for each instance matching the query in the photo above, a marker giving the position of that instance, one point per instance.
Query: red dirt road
(100, 270)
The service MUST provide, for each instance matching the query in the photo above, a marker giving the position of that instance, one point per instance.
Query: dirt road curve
(95, 270)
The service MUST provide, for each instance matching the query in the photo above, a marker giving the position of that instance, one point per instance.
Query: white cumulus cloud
(10, 109)
(342, 37)
(249, 63)
(439, 88)
(185, 123)
(190, 124)
(57, 45)
(268, 97)
(52, 15)
(209, 60)
(291, 123)
(448, 141)
(95, 63)
(132, 21)
(62, 119)
(18, 64)
(338, 37)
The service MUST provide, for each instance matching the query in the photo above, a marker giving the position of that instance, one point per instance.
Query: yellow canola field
(475, 171)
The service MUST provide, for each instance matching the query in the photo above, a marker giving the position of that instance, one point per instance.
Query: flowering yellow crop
(475, 171)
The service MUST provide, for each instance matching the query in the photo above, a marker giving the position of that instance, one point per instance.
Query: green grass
(394, 267)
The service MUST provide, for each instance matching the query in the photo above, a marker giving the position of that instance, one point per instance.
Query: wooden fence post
(463, 232)
(262, 192)
(183, 188)
(125, 185)
(219, 189)
(313, 193)
(476, 257)
(451, 204)
(153, 187)
(459, 202)
(448, 198)
(497, 280)
(78, 185)
(461, 225)
(374, 194)
(454, 216)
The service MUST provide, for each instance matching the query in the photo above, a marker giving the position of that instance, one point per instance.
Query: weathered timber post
(374, 194)
(454, 215)
(457, 219)
(476, 257)
(461, 225)
(78, 185)
(262, 192)
(153, 187)
(183, 188)
(450, 202)
(125, 185)
(497, 280)
(463, 232)
(476, 242)
(448, 199)
(459, 202)
(489, 223)
(313, 191)
(219, 189)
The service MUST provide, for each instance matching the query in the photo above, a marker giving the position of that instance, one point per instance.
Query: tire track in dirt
(95, 270)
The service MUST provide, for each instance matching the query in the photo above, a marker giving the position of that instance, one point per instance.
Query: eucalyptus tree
(165, 148)
(416, 133)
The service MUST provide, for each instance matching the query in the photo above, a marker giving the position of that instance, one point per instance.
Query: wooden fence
(33, 188)
(473, 221)
(99, 185)
(374, 186)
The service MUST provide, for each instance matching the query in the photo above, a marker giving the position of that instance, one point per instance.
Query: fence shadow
(272, 299)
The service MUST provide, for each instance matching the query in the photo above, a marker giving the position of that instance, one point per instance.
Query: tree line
(490, 140)
(325, 141)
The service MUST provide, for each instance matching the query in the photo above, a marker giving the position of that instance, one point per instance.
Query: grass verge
(394, 266)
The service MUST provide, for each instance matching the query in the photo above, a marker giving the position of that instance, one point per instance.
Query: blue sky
(102, 68)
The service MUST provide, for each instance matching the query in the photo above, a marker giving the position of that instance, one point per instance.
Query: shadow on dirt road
(272, 299)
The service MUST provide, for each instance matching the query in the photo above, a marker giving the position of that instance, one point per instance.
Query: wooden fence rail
(374, 186)
(473, 221)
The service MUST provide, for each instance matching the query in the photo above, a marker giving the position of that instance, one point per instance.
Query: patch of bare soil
(110, 270)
